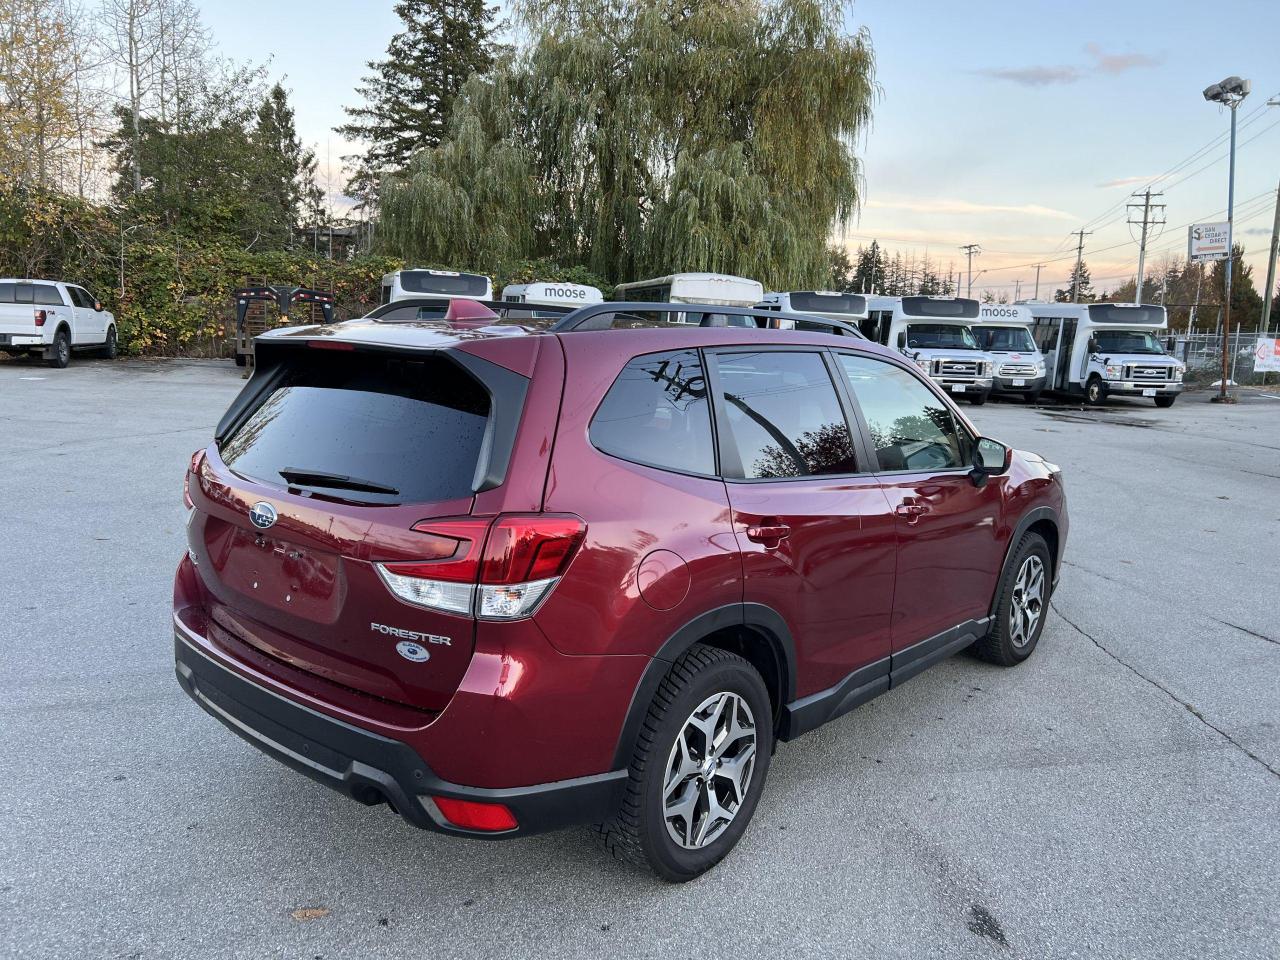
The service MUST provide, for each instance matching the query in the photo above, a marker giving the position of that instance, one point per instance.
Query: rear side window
(784, 418)
(365, 427)
(911, 429)
(656, 413)
(46, 293)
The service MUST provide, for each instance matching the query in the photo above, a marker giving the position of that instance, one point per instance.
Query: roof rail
(603, 316)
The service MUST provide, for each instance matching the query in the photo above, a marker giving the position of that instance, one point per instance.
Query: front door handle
(768, 534)
(911, 511)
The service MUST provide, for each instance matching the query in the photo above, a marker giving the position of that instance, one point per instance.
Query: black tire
(1095, 391)
(638, 831)
(978, 399)
(241, 359)
(1002, 645)
(111, 349)
(1032, 398)
(1166, 402)
(61, 355)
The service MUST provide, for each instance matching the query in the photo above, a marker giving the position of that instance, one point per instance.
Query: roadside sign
(1266, 356)
(1209, 241)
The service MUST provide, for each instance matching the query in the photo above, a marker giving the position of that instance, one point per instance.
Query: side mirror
(1093, 345)
(97, 305)
(990, 459)
(902, 339)
(1170, 345)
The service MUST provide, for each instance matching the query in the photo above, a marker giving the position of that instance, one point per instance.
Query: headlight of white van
(1115, 371)
(922, 364)
(1178, 371)
(1039, 368)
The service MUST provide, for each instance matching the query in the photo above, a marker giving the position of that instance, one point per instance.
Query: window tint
(6, 293)
(46, 293)
(24, 293)
(911, 428)
(400, 430)
(783, 414)
(80, 297)
(656, 413)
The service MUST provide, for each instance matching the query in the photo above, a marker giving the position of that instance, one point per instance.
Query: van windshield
(947, 336)
(1005, 339)
(1127, 341)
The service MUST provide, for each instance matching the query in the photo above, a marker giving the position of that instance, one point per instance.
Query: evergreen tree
(409, 96)
(869, 271)
(1079, 278)
(284, 174)
(1246, 302)
(840, 278)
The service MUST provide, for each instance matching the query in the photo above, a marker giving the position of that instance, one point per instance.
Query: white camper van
(1003, 330)
(549, 293)
(1097, 350)
(937, 333)
(440, 284)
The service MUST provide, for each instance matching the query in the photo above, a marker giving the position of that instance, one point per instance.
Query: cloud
(1127, 181)
(1115, 64)
(967, 206)
(1035, 76)
(1044, 75)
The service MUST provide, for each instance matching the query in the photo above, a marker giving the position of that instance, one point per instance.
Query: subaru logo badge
(262, 515)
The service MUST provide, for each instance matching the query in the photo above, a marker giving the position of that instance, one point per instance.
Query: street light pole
(1230, 93)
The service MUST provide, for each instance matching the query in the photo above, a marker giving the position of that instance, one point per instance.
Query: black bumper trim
(372, 768)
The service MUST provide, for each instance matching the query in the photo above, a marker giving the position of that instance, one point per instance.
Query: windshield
(451, 284)
(1005, 339)
(1127, 341)
(946, 336)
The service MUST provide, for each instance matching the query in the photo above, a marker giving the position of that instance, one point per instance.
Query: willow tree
(649, 136)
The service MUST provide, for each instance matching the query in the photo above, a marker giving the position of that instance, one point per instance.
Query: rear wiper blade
(336, 481)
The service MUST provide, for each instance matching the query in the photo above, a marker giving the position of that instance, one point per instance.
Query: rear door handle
(911, 511)
(770, 535)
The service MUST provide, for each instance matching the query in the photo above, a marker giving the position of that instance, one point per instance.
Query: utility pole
(1017, 290)
(1146, 223)
(1075, 277)
(1265, 326)
(1229, 93)
(1037, 293)
(970, 249)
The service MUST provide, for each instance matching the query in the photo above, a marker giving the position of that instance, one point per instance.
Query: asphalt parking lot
(1116, 796)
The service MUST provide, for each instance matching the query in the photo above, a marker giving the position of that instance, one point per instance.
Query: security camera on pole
(1230, 93)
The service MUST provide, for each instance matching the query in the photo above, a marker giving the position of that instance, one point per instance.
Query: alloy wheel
(1027, 605)
(709, 770)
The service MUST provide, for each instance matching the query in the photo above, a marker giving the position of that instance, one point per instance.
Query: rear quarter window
(656, 414)
(47, 294)
(413, 427)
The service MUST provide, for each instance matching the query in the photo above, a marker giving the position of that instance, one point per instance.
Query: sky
(1007, 124)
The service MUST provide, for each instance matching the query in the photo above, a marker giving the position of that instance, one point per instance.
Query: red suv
(507, 580)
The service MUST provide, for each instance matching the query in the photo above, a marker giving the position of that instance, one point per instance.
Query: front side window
(656, 414)
(80, 298)
(783, 415)
(910, 427)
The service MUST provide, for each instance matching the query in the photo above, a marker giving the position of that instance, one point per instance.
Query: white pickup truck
(52, 319)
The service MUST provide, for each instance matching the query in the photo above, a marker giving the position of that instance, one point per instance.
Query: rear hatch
(321, 472)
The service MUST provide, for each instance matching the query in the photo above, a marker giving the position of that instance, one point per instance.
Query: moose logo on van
(262, 515)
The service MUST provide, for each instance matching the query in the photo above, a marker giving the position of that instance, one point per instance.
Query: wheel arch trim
(1032, 516)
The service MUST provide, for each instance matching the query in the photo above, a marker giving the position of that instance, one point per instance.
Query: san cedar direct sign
(1208, 241)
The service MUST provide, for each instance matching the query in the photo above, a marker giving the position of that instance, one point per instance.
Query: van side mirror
(902, 340)
(991, 458)
(1170, 345)
(1093, 345)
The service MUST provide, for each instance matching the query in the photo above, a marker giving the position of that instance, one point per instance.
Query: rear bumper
(19, 341)
(371, 768)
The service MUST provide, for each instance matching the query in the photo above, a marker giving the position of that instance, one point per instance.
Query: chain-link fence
(1202, 353)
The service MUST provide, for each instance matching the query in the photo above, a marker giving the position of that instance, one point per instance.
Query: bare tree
(133, 48)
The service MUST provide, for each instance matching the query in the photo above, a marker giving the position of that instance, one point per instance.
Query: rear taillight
(197, 461)
(495, 571)
(41, 316)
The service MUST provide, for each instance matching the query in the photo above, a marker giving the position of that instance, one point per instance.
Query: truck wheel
(699, 767)
(241, 359)
(111, 349)
(978, 399)
(61, 354)
(1166, 401)
(1095, 392)
(1032, 398)
(1022, 605)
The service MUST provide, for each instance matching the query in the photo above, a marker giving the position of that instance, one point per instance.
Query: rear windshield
(453, 284)
(365, 427)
